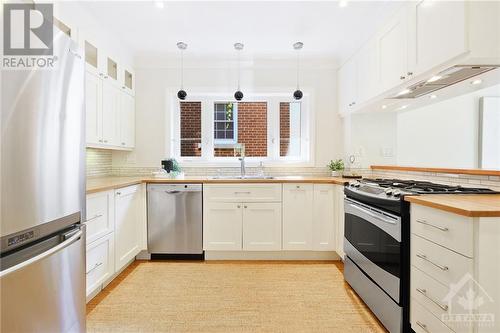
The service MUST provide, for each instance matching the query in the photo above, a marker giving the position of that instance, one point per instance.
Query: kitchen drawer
(442, 264)
(242, 192)
(423, 321)
(127, 190)
(446, 229)
(100, 211)
(431, 294)
(100, 262)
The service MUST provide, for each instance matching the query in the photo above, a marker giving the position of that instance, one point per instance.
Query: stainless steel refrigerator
(42, 277)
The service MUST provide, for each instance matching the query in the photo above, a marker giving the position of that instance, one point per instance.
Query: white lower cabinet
(100, 215)
(297, 216)
(323, 217)
(262, 226)
(115, 231)
(222, 226)
(100, 262)
(127, 225)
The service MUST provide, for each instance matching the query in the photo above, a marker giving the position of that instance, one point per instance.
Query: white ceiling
(267, 28)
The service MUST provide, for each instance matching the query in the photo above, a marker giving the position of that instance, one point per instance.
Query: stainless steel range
(376, 243)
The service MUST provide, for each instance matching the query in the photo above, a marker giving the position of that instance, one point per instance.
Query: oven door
(373, 243)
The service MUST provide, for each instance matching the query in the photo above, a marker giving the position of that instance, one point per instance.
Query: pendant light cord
(182, 69)
(239, 69)
(298, 65)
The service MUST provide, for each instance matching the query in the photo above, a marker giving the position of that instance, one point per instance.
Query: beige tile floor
(230, 297)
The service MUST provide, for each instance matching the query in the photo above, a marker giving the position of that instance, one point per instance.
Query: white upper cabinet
(368, 75)
(347, 85)
(93, 108)
(110, 114)
(126, 78)
(437, 33)
(420, 40)
(393, 51)
(127, 120)
(297, 216)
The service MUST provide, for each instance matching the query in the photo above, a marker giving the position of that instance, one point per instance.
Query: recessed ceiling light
(402, 107)
(477, 81)
(159, 4)
(433, 96)
(384, 106)
(342, 3)
(404, 92)
(435, 78)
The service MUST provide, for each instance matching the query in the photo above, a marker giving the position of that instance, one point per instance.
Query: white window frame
(273, 158)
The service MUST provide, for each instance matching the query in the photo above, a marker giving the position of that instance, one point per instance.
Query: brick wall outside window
(284, 128)
(190, 128)
(252, 130)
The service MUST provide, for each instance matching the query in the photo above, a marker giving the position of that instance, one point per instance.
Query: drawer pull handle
(93, 218)
(95, 266)
(424, 292)
(424, 257)
(432, 225)
(242, 192)
(423, 326)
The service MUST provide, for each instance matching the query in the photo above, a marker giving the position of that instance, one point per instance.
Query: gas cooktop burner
(420, 187)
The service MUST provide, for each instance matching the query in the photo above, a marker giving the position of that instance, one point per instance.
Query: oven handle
(388, 223)
(374, 214)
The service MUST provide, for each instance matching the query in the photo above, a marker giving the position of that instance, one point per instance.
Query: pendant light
(181, 94)
(297, 94)
(238, 95)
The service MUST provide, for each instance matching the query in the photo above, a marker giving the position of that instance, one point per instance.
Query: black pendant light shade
(182, 94)
(297, 94)
(238, 95)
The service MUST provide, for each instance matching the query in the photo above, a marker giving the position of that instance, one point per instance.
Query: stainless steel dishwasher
(175, 225)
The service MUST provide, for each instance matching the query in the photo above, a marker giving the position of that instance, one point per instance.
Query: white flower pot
(337, 173)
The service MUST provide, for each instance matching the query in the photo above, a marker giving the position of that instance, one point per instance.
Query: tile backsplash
(99, 162)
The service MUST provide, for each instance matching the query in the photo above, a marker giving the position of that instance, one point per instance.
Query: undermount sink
(242, 177)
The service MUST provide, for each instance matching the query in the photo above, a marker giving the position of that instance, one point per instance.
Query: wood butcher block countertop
(472, 205)
(99, 184)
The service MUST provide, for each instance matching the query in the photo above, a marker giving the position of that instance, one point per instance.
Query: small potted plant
(336, 167)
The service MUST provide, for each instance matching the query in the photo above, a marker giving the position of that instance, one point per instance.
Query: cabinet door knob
(298, 186)
(123, 143)
(238, 206)
(245, 206)
(100, 140)
(118, 193)
(402, 77)
(105, 141)
(409, 73)
(353, 103)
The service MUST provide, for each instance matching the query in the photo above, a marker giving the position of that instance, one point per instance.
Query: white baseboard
(271, 255)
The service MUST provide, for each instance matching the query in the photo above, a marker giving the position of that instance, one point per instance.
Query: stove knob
(388, 191)
(396, 193)
(357, 184)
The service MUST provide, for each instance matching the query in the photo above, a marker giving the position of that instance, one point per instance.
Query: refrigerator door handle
(43, 255)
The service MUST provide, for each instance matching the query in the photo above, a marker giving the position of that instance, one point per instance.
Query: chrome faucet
(242, 166)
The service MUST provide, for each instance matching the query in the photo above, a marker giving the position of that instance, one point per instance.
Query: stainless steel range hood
(443, 79)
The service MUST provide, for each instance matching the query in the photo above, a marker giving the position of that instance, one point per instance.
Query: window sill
(227, 162)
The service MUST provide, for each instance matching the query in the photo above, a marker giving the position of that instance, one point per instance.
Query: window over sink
(271, 128)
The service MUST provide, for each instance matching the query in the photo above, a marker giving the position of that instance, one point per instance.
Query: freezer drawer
(175, 219)
(43, 286)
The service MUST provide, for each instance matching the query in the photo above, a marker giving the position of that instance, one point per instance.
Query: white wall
(373, 139)
(444, 134)
(158, 81)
